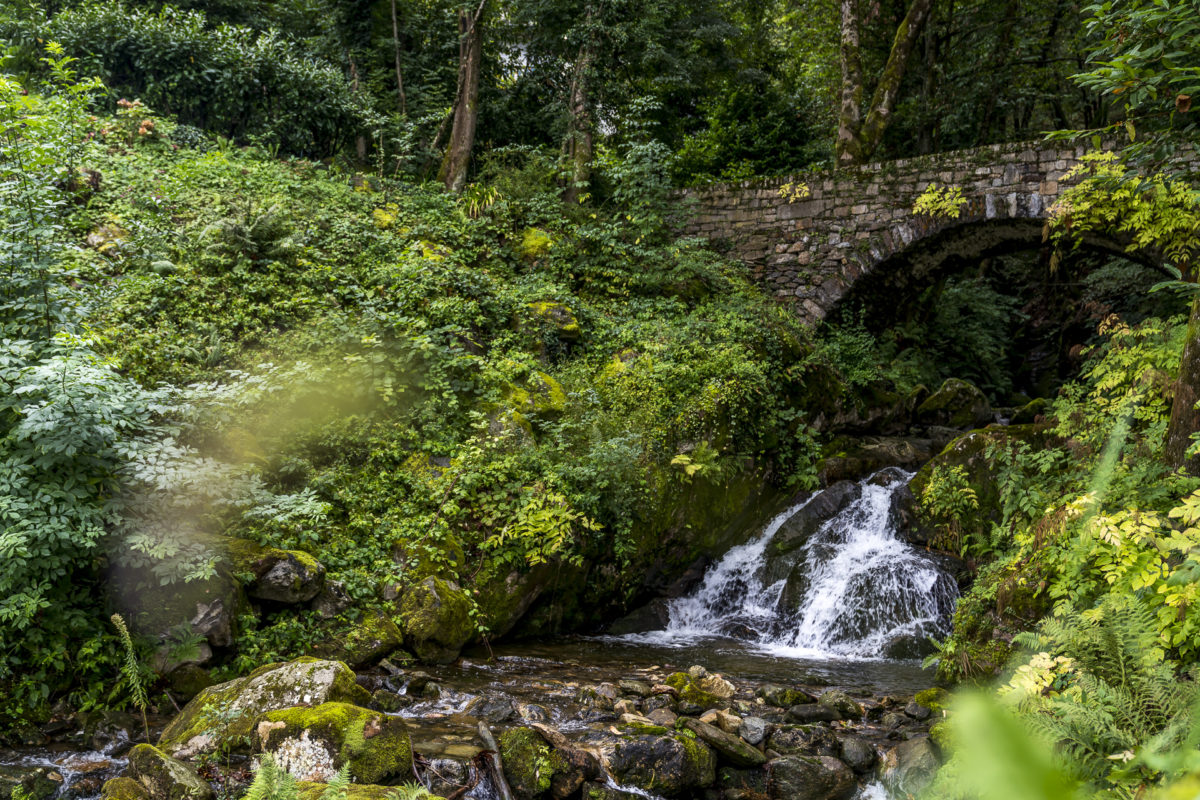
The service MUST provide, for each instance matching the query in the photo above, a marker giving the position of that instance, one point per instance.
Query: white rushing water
(854, 589)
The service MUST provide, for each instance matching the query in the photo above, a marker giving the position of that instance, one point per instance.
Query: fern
(133, 671)
(272, 782)
(338, 786)
(409, 791)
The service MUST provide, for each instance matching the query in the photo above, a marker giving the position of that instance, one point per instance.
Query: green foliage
(133, 672)
(946, 499)
(272, 782)
(940, 201)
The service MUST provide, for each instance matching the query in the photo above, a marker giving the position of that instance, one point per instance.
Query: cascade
(853, 589)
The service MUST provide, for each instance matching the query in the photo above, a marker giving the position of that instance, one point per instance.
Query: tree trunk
(466, 102)
(857, 140)
(578, 144)
(399, 74)
(1185, 419)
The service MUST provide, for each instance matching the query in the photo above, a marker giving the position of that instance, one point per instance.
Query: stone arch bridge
(858, 223)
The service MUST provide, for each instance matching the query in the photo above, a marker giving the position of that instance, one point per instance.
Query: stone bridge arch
(812, 251)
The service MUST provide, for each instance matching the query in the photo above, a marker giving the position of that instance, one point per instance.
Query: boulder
(910, 766)
(858, 754)
(573, 766)
(224, 716)
(436, 620)
(209, 607)
(29, 782)
(504, 600)
(671, 766)
(729, 748)
(806, 740)
(278, 576)
(784, 696)
(809, 778)
(842, 703)
(957, 404)
(314, 743)
(654, 616)
(690, 691)
(528, 768)
(331, 600)
(115, 789)
(166, 778)
(374, 637)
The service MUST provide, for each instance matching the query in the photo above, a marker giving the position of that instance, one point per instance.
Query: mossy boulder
(556, 319)
(166, 778)
(222, 717)
(691, 692)
(280, 576)
(528, 764)
(436, 620)
(372, 638)
(32, 783)
(116, 789)
(504, 599)
(314, 743)
(672, 766)
(935, 699)
(1030, 412)
(956, 403)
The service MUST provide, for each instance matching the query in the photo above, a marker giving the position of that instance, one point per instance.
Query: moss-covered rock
(505, 598)
(956, 403)
(1030, 412)
(117, 789)
(556, 318)
(280, 576)
(166, 778)
(809, 778)
(222, 717)
(935, 699)
(372, 638)
(32, 783)
(690, 691)
(528, 763)
(209, 607)
(314, 743)
(436, 620)
(672, 766)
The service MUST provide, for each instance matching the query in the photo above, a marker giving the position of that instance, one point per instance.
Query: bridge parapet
(809, 251)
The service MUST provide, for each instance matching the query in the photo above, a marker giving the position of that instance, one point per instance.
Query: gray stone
(663, 764)
(754, 730)
(858, 754)
(166, 778)
(910, 766)
(729, 747)
(812, 712)
(845, 706)
(809, 778)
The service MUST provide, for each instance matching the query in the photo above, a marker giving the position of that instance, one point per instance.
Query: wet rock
(447, 775)
(491, 708)
(116, 789)
(640, 724)
(656, 702)
(842, 703)
(809, 740)
(784, 696)
(416, 681)
(600, 791)
(728, 747)
(531, 712)
(754, 730)
(893, 720)
(436, 620)
(812, 712)
(794, 533)
(224, 715)
(858, 754)
(663, 716)
(809, 778)
(742, 784)
(573, 766)
(33, 783)
(956, 404)
(432, 691)
(693, 698)
(910, 766)
(666, 765)
(635, 688)
(654, 616)
(722, 719)
(279, 576)
(525, 756)
(314, 743)
(166, 778)
(917, 711)
(86, 786)
(110, 731)
(389, 702)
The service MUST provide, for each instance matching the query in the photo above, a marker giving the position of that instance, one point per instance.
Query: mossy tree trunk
(1185, 418)
(857, 137)
(578, 144)
(466, 101)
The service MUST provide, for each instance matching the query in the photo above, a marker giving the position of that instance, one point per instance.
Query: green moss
(370, 639)
(381, 753)
(689, 692)
(641, 728)
(935, 699)
(436, 619)
(124, 789)
(527, 761)
(535, 243)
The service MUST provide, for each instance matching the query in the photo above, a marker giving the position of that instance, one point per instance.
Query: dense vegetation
(399, 285)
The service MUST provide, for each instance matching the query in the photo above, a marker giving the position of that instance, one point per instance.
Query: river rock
(224, 715)
(663, 716)
(754, 730)
(436, 619)
(722, 719)
(279, 576)
(635, 687)
(33, 783)
(917, 711)
(528, 767)
(858, 754)
(666, 765)
(115, 789)
(742, 784)
(573, 766)
(795, 531)
(910, 766)
(166, 778)
(812, 712)
(314, 743)
(842, 703)
(809, 778)
(808, 740)
(956, 404)
(784, 696)
(728, 747)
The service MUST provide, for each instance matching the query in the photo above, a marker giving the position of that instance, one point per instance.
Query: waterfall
(852, 589)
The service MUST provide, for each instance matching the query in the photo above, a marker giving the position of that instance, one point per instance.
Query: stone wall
(809, 251)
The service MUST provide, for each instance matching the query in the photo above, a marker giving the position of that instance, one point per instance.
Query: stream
(826, 595)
